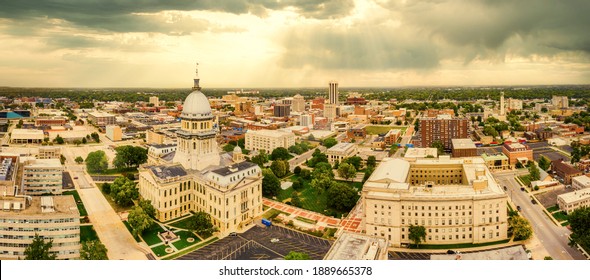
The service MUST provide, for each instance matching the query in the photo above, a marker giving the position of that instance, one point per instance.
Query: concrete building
(503, 254)
(496, 162)
(442, 129)
(49, 152)
(26, 136)
(298, 103)
(514, 104)
(568, 202)
(52, 217)
(355, 246)
(333, 94)
(114, 132)
(231, 193)
(331, 111)
(154, 100)
(42, 176)
(161, 153)
(463, 148)
(153, 137)
(456, 200)
(101, 118)
(565, 171)
(517, 152)
(580, 182)
(50, 121)
(269, 140)
(502, 107)
(306, 120)
(416, 153)
(282, 110)
(341, 151)
(559, 102)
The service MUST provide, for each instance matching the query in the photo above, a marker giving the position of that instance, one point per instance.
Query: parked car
(533, 201)
(274, 240)
(450, 252)
(522, 189)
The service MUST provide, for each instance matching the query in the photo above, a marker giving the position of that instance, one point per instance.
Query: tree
(321, 184)
(297, 185)
(229, 148)
(79, 160)
(521, 228)
(417, 234)
(544, 163)
(62, 159)
(305, 174)
(279, 153)
(490, 131)
(297, 170)
(84, 141)
(242, 143)
(295, 201)
(95, 136)
(77, 142)
(279, 168)
(580, 224)
(139, 220)
(147, 207)
(296, 256)
(201, 223)
(371, 161)
(96, 162)
(39, 249)
(393, 150)
(534, 172)
(440, 147)
(58, 139)
(271, 186)
(342, 197)
(129, 156)
(261, 158)
(330, 142)
(518, 165)
(106, 188)
(346, 171)
(93, 250)
(355, 161)
(368, 173)
(123, 191)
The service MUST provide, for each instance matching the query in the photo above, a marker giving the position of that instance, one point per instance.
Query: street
(554, 238)
(298, 160)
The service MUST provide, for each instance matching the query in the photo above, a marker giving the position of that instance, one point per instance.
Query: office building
(341, 151)
(42, 176)
(559, 102)
(333, 94)
(269, 140)
(442, 129)
(456, 200)
(517, 152)
(298, 103)
(463, 148)
(101, 118)
(282, 110)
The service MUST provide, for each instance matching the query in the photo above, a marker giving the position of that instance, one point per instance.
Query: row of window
(39, 221)
(37, 229)
(29, 237)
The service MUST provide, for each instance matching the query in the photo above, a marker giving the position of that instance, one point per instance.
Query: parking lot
(255, 244)
(543, 148)
(549, 198)
(426, 256)
(67, 182)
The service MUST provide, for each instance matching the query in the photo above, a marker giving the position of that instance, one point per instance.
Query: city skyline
(274, 44)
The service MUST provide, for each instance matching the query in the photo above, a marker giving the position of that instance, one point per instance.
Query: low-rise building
(456, 200)
(52, 217)
(114, 132)
(392, 136)
(26, 136)
(269, 139)
(565, 171)
(517, 152)
(341, 151)
(416, 153)
(101, 118)
(581, 182)
(356, 246)
(42, 176)
(496, 162)
(568, 202)
(49, 152)
(463, 147)
(357, 132)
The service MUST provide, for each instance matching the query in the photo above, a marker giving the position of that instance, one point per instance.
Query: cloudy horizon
(289, 43)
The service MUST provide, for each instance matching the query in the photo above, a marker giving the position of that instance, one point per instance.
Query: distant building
(356, 246)
(49, 152)
(52, 217)
(114, 132)
(416, 153)
(153, 137)
(565, 171)
(42, 176)
(559, 102)
(569, 202)
(318, 103)
(456, 200)
(392, 136)
(53, 121)
(463, 147)
(154, 100)
(306, 120)
(101, 118)
(282, 110)
(357, 132)
(496, 162)
(298, 104)
(356, 101)
(333, 94)
(517, 152)
(514, 104)
(331, 111)
(341, 151)
(26, 136)
(269, 140)
(442, 129)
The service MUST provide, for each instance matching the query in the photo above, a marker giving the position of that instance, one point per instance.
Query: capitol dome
(237, 150)
(196, 105)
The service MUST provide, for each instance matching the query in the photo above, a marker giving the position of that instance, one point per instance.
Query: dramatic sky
(293, 43)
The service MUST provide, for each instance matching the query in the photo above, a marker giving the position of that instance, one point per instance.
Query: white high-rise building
(560, 102)
(502, 108)
(306, 120)
(298, 103)
(333, 93)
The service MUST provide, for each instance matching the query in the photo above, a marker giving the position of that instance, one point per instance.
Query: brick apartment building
(442, 129)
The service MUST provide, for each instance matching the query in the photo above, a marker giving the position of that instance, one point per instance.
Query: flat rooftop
(464, 143)
(52, 205)
(421, 152)
(49, 163)
(574, 196)
(510, 253)
(342, 147)
(270, 133)
(354, 246)
(166, 172)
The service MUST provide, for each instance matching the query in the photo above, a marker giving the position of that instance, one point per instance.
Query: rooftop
(584, 180)
(510, 253)
(53, 163)
(228, 170)
(39, 205)
(98, 114)
(574, 196)
(354, 246)
(342, 147)
(270, 133)
(499, 156)
(166, 172)
(464, 143)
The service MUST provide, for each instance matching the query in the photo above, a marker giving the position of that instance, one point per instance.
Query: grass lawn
(565, 224)
(79, 203)
(560, 216)
(160, 250)
(181, 223)
(306, 220)
(526, 179)
(373, 129)
(87, 233)
(130, 229)
(553, 208)
(150, 235)
(272, 213)
(182, 243)
(196, 246)
(458, 246)
(115, 206)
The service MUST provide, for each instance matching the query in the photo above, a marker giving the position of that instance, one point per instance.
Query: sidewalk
(322, 220)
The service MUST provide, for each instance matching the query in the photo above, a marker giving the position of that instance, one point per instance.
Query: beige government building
(456, 200)
(199, 179)
(269, 140)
